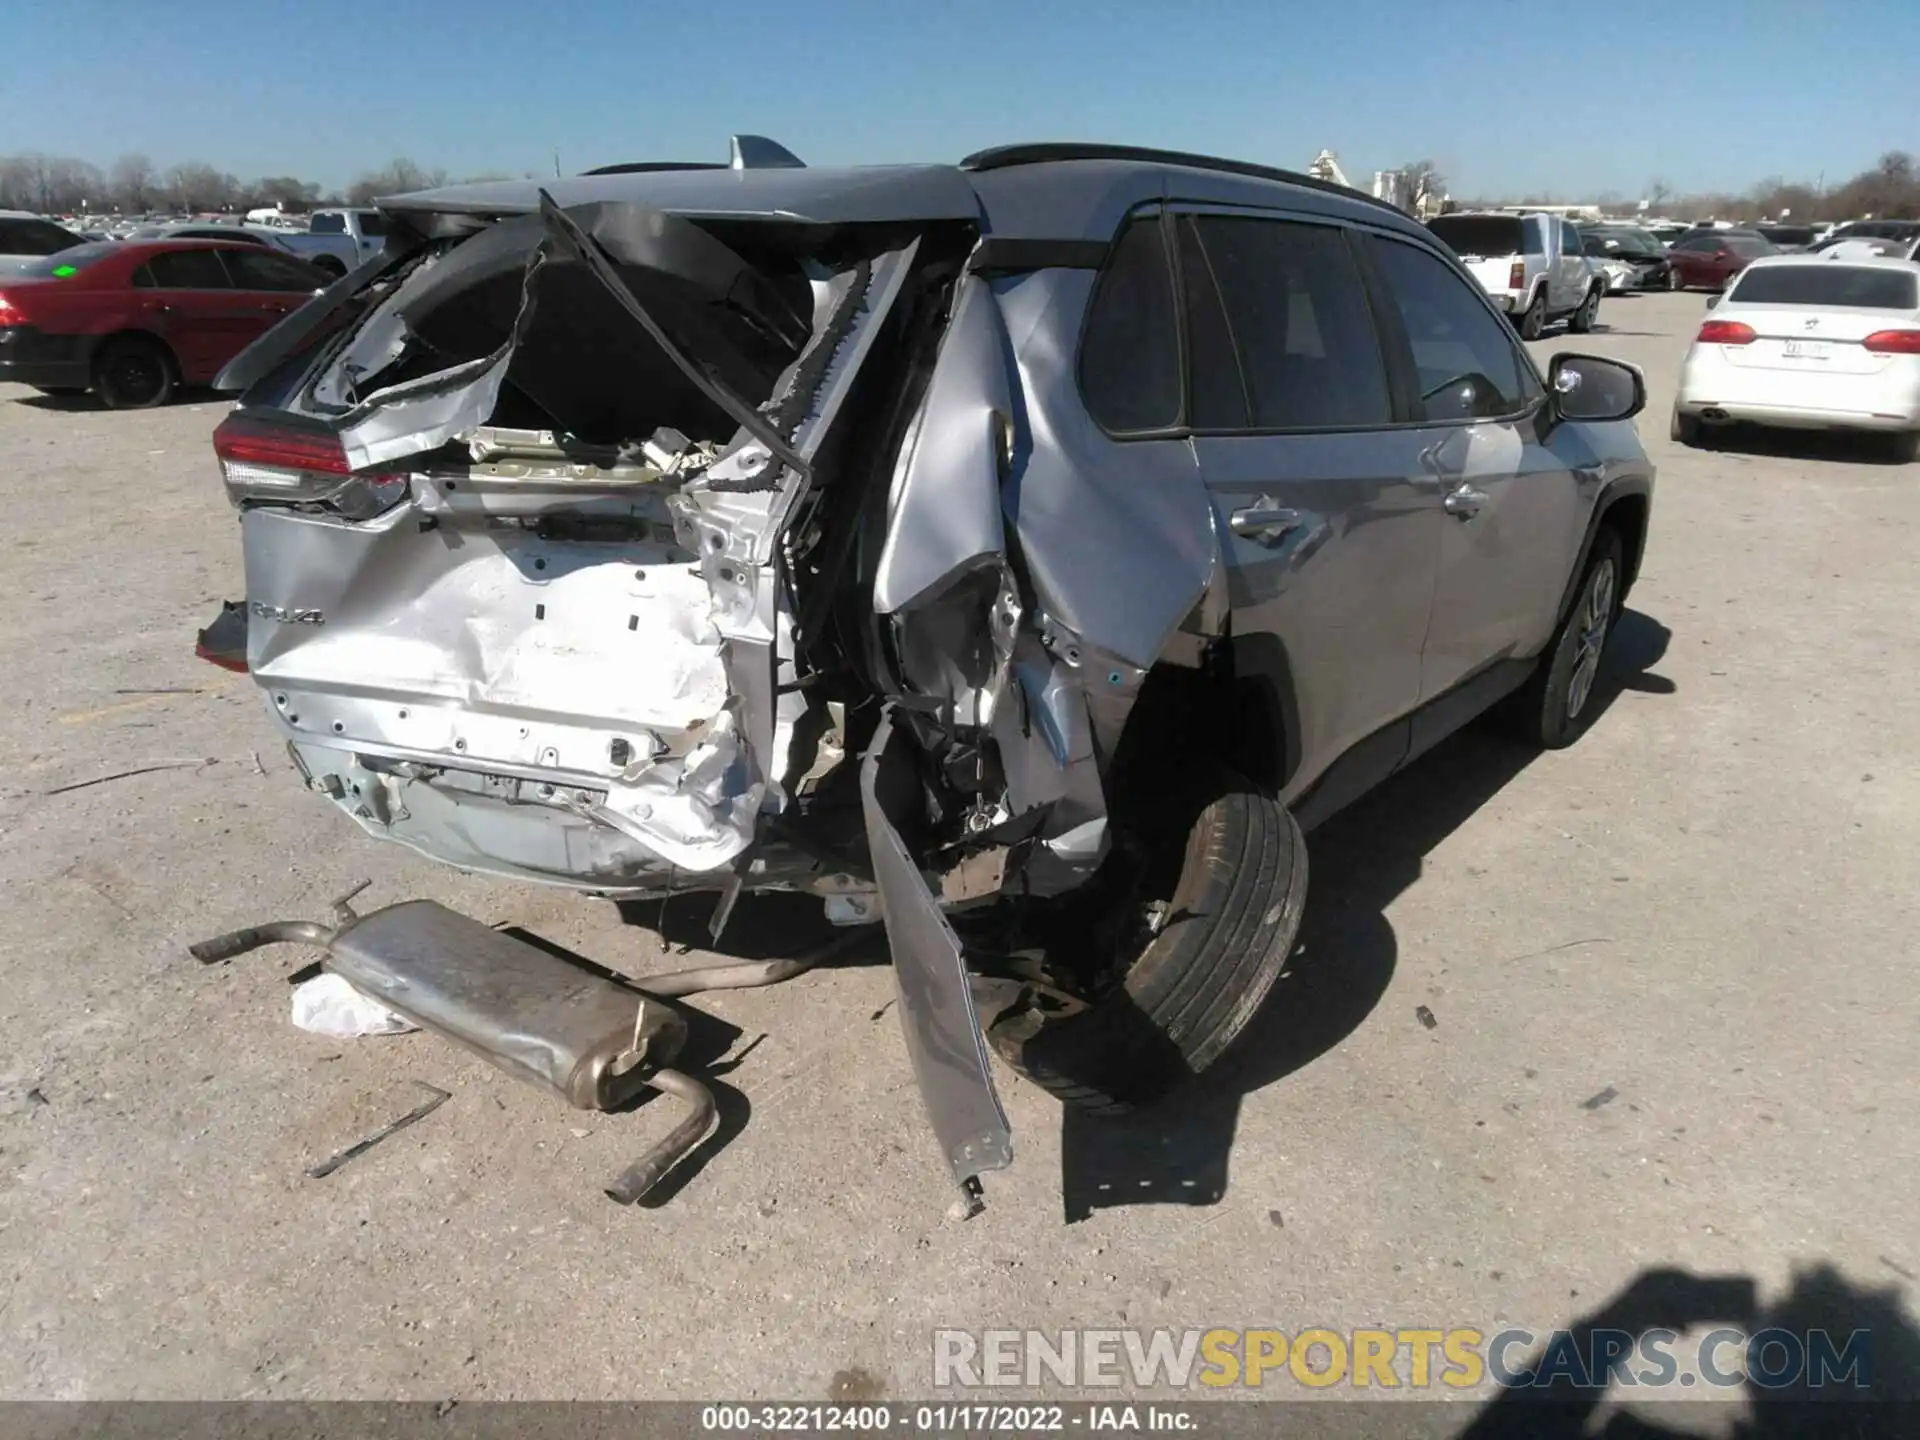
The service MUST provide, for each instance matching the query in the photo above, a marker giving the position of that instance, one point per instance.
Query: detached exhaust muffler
(593, 1040)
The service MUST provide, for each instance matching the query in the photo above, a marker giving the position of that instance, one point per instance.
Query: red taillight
(246, 440)
(1725, 332)
(267, 461)
(1893, 342)
(1517, 276)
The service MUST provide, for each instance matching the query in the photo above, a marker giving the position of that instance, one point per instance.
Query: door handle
(1465, 502)
(1264, 522)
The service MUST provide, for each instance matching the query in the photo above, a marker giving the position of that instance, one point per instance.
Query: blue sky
(1509, 98)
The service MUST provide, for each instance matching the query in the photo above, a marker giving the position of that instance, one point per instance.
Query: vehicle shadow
(1848, 447)
(1179, 1151)
(1562, 1393)
(87, 403)
(770, 925)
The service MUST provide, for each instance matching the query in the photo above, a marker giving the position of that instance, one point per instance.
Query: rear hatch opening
(522, 543)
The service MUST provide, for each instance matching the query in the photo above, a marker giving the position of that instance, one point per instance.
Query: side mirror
(1713, 300)
(1588, 387)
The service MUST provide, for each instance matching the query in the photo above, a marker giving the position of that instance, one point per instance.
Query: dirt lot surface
(1669, 973)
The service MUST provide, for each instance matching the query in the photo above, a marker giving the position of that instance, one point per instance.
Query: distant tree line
(61, 185)
(1888, 190)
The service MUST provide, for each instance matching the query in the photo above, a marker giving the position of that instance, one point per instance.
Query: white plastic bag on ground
(328, 1005)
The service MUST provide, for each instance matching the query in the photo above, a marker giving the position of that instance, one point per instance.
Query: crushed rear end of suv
(752, 527)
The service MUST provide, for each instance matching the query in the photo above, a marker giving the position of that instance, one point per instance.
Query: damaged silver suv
(1022, 552)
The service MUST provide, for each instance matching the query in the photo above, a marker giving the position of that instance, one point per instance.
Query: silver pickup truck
(339, 240)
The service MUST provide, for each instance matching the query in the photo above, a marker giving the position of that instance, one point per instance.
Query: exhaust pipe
(593, 1041)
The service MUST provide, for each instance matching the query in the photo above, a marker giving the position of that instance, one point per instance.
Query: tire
(1903, 447)
(1582, 320)
(330, 264)
(1674, 279)
(1231, 920)
(1689, 430)
(1554, 708)
(132, 373)
(1534, 320)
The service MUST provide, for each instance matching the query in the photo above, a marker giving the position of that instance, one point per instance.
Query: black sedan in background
(1639, 248)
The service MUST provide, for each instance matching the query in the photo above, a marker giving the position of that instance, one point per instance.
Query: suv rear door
(1513, 510)
(1329, 526)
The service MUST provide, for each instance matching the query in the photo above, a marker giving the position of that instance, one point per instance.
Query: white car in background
(1809, 343)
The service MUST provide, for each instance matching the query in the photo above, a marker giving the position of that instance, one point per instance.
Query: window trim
(1373, 275)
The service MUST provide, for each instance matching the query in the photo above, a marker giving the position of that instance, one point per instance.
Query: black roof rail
(641, 167)
(1044, 152)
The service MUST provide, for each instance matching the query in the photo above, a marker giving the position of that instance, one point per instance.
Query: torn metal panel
(943, 515)
(1081, 499)
(426, 413)
(936, 1001)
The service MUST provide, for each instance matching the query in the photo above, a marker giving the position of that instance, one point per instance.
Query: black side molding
(1014, 257)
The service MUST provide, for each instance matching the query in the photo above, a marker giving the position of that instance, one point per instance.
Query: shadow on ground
(1847, 447)
(1563, 1392)
(1361, 860)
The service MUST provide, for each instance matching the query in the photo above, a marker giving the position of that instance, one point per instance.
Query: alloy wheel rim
(137, 378)
(1596, 614)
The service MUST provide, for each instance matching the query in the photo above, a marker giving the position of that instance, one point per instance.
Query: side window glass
(263, 270)
(1130, 351)
(1296, 310)
(188, 270)
(1468, 364)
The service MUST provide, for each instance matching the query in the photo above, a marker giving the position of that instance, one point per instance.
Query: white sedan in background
(1808, 343)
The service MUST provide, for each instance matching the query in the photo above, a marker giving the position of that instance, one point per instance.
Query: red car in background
(1709, 259)
(132, 320)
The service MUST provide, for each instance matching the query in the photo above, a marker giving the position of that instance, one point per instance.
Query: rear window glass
(1829, 283)
(1469, 235)
(324, 224)
(1129, 351)
(69, 262)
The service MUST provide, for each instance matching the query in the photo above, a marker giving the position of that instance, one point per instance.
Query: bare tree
(131, 183)
(1658, 193)
(398, 177)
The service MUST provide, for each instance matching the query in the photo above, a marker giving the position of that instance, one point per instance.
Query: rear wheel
(1209, 929)
(1589, 312)
(1554, 708)
(331, 265)
(132, 373)
(1903, 447)
(1675, 281)
(1534, 320)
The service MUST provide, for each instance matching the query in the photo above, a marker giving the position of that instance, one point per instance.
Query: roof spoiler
(757, 152)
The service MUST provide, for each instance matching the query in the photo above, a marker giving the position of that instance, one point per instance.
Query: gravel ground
(1664, 970)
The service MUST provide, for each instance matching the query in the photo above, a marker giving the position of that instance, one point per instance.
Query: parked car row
(337, 240)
